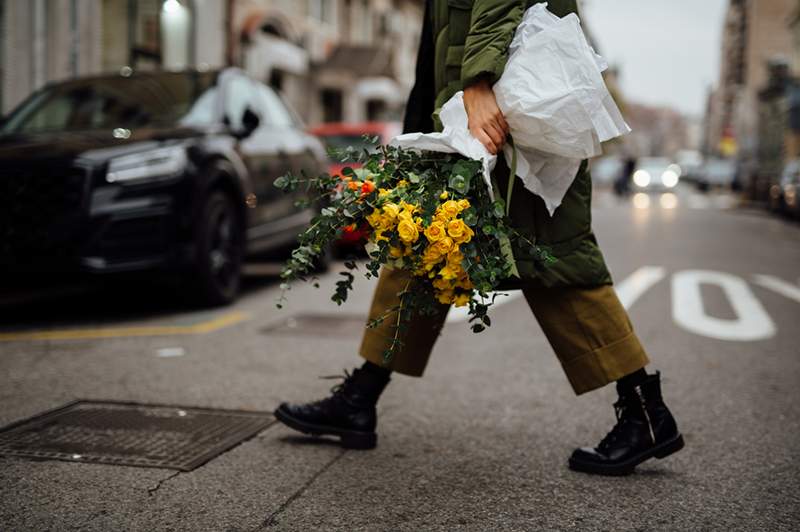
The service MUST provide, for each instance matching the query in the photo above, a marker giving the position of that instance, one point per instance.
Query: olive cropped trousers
(588, 329)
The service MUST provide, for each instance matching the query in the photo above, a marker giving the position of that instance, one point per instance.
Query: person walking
(464, 46)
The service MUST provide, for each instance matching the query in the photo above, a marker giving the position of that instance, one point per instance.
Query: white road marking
(752, 321)
(628, 291)
(778, 285)
(169, 352)
(639, 282)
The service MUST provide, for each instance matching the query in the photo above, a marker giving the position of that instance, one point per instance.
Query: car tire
(219, 245)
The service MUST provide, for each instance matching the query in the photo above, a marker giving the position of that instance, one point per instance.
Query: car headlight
(641, 178)
(670, 178)
(161, 163)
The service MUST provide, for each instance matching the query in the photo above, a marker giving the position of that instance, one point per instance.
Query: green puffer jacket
(471, 43)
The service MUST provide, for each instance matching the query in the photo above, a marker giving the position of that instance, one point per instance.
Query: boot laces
(337, 390)
(619, 411)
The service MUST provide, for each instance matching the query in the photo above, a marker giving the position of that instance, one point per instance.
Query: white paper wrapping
(554, 99)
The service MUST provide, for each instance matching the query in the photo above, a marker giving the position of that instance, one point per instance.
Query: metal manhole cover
(320, 325)
(131, 434)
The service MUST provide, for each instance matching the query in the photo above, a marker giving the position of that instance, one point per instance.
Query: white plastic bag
(554, 99)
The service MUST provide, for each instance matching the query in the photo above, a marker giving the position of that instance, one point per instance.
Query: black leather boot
(348, 413)
(645, 429)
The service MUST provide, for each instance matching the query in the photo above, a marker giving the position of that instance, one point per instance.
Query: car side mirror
(250, 122)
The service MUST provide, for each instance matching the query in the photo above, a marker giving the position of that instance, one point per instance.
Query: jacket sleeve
(492, 27)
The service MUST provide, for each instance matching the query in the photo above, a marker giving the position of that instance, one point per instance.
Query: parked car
(151, 171)
(716, 173)
(783, 195)
(655, 173)
(358, 136)
(690, 163)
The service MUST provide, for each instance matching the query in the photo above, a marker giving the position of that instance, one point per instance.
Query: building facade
(755, 33)
(334, 60)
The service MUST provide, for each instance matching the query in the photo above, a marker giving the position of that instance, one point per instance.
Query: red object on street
(342, 135)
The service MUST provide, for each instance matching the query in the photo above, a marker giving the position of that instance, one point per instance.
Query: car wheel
(220, 248)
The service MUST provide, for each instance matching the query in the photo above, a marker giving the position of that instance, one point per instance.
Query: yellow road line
(122, 332)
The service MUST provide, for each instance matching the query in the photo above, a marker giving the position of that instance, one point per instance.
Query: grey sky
(667, 50)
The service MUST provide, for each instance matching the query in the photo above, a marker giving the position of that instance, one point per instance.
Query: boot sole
(660, 451)
(350, 439)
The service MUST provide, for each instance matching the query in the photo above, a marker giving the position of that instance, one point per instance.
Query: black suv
(170, 170)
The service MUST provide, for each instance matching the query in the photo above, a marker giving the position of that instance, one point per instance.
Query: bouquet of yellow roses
(429, 213)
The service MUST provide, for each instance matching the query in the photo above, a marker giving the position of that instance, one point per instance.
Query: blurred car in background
(605, 170)
(339, 136)
(783, 195)
(690, 163)
(343, 135)
(716, 173)
(655, 174)
(166, 171)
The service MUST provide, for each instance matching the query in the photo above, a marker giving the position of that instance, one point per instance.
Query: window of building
(322, 10)
(331, 105)
(147, 34)
(376, 110)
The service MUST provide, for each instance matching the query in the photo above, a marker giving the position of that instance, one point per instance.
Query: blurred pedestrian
(622, 185)
(464, 47)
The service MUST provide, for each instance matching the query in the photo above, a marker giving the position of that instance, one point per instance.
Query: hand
(485, 120)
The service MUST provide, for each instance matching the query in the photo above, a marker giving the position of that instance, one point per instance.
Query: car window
(109, 102)
(239, 96)
(274, 111)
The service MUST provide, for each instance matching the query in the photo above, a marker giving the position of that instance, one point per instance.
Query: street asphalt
(481, 442)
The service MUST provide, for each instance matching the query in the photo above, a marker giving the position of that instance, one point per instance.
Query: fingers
(485, 139)
(502, 122)
(495, 131)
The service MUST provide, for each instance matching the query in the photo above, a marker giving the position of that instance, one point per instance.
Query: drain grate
(319, 325)
(131, 434)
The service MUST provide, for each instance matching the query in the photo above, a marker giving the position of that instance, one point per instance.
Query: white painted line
(639, 282)
(170, 352)
(778, 285)
(752, 321)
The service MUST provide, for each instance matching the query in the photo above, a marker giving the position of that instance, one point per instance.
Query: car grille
(41, 211)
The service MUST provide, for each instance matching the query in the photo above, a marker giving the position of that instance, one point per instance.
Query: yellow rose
(375, 219)
(442, 284)
(435, 232)
(450, 208)
(466, 237)
(456, 228)
(445, 297)
(464, 282)
(463, 204)
(431, 257)
(402, 183)
(391, 210)
(395, 252)
(455, 258)
(448, 273)
(408, 231)
(444, 246)
(443, 195)
(462, 299)
(408, 207)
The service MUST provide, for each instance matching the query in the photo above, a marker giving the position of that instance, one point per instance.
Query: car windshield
(351, 140)
(653, 164)
(107, 103)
